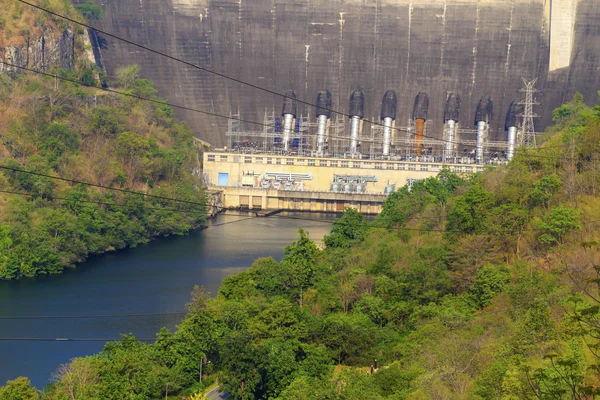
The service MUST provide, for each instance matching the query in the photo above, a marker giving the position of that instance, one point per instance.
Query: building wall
(321, 169)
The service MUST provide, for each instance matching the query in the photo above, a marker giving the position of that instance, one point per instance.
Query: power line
(159, 197)
(127, 94)
(162, 102)
(396, 228)
(102, 202)
(98, 316)
(190, 64)
(234, 335)
(78, 182)
(230, 117)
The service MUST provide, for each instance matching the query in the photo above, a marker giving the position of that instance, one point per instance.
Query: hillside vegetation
(19, 22)
(483, 287)
(57, 128)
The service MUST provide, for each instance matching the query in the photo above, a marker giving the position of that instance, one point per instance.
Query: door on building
(223, 179)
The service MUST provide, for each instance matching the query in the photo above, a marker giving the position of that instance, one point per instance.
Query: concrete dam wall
(473, 47)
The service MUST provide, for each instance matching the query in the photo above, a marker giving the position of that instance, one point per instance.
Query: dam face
(475, 48)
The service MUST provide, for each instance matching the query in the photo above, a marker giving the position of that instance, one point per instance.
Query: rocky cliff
(473, 47)
(41, 52)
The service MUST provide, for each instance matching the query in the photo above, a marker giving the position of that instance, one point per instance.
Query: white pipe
(322, 127)
(354, 131)
(288, 122)
(450, 146)
(387, 135)
(480, 136)
(512, 140)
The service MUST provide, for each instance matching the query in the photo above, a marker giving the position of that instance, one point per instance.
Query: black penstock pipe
(421, 106)
(357, 104)
(324, 103)
(452, 111)
(388, 105)
(512, 116)
(484, 110)
(289, 103)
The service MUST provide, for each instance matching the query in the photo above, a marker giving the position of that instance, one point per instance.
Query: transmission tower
(528, 128)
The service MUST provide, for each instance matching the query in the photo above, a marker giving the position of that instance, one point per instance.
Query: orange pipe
(419, 133)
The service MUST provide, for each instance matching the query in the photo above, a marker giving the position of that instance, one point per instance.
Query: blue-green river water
(153, 278)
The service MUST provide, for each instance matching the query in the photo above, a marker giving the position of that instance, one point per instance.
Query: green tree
(127, 76)
(306, 388)
(18, 389)
(490, 280)
(544, 189)
(106, 121)
(567, 110)
(350, 337)
(240, 374)
(6, 269)
(556, 224)
(57, 140)
(301, 257)
(396, 209)
(131, 145)
(90, 10)
(470, 211)
(347, 230)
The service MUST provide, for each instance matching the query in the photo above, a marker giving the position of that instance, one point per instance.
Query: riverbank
(156, 277)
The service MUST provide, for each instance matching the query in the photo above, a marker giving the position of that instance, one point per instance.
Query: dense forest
(464, 287)
(71, 129)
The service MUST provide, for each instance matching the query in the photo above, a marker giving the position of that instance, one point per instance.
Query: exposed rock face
(41, 53)
(475, 48)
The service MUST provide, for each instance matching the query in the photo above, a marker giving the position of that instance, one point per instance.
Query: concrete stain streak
(474, 74)
(376, 36)
(443, 16)
(508, 48)
(306, 68)
(240, 27)
(410, 13)
(341, 58)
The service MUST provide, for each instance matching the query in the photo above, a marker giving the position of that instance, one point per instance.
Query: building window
(289, 161)
(258, 160)
(311, 163)
(412, 167)
(333, 164)
(300, 161)
(211, 157)
(401, 167)
(366, 165)
(468, 169)
(269, 160)
(424, 167)
(356, 164)
(322, 163)
(278, 161)
(457, 169)
(344, 164)
(389, 166)
(223, 158)
(378, 165)
(248, 160)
